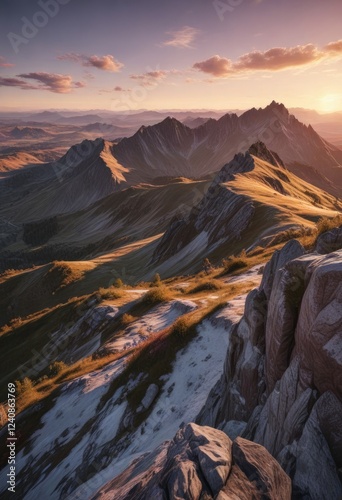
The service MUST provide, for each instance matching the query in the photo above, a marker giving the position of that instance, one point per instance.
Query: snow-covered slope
(79, 443)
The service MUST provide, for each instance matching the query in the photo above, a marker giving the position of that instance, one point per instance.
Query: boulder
(261, 470)
(201, 463)
(150, 396)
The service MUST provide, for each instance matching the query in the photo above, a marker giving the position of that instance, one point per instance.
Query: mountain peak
(260, 150)
(278, 106)
(170, 120)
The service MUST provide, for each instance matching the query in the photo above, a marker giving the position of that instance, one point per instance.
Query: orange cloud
(334, 47)
(278, 58)
(104, 63)
(216, 65)
(274, 59)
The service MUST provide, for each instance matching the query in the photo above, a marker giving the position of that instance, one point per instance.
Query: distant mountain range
(172, 149)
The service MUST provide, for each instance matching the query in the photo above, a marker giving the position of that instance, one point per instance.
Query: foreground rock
(201, 462)
(282, 381)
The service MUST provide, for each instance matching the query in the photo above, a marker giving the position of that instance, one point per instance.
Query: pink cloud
(4, 63)
(150, 77)
(16, 82)
(104, 63)
(275, 59)
(334, 47)
(182, 38)
(59, 84)
(216, 65)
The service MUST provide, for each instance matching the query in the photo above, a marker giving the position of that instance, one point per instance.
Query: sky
(181, 54)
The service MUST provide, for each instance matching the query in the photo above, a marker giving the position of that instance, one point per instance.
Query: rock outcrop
(329, 241)
(282, 380)
(201, 463)
(220, 215)
(249, 203)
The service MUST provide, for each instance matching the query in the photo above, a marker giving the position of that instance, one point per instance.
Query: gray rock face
(290, 251)
(283, 371)
(329, 241)
(241, 386)
(319, 452)
(221, 213)
(201, 462)
(319, 329)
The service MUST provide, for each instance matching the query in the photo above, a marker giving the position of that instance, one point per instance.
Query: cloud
(278, 58)
(150, 78)
(4, 63)
(59, 84)
(275, 59)
(115, 89)
(104, 63)
(16, 82)
(334, 48)
(216, 65)
(182, 38)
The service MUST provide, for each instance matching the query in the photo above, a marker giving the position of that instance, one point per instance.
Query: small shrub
(206, 285)
(180, 327)
(109, 293)
(127, 319)
(325, 224)
(24, 386)
(56, 368)
(156, 296)
(118, 283)
(234, 264)
(156, 279)
(15, 322)
(207, 266)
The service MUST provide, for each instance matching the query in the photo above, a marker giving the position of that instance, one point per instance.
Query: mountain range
(170, 310)
(171, 149)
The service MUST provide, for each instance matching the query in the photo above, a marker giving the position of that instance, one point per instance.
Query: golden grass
(110, 293)
(205, 285)
(156, 295)
(30, 392)
(326, 224)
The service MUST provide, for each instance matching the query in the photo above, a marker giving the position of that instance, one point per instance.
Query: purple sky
(128, 54)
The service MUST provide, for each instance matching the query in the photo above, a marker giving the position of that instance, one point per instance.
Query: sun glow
(330, 103)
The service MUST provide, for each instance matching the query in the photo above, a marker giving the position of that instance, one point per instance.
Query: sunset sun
(330, 103)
